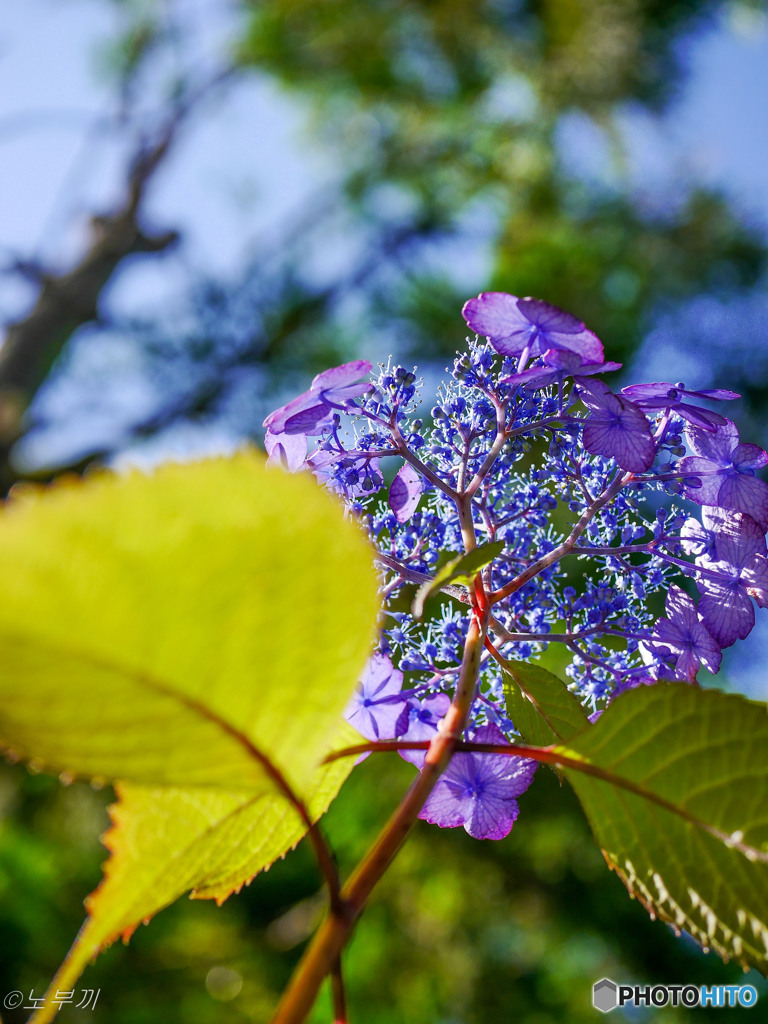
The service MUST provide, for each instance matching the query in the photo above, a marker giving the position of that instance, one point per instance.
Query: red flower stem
(543, 754)
(377, 747)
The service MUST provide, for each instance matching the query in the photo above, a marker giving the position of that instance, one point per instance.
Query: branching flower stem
(466, 468)
(336, 930)
(566, 548)
(498, 444)
(421, 467)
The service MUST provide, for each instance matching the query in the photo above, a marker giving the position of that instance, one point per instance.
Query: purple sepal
(514, 325)
(704, 418)
(721, 472)
(342, 376)
(616, 428)
(310, 420)
(559, 364)
(404, 493)
(377, 703)
(479, 791)
(749, 456)
(701, 480)
(286, 450)
(728, 612)
(663, 395)
(745, 494)
(312, 411)
(735, 571)
(716, 447)
(686, 635)
(641, 393)
(697, 538)
(299, 416)
(419, 721)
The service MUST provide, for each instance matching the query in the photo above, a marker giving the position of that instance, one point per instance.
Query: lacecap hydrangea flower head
(629, 528)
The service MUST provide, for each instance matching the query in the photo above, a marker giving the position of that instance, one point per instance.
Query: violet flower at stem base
(558, 759)
(334, 933)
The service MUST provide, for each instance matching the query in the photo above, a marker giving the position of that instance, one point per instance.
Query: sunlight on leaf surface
(701, 862)
(541, 706)
(195, 633)
(169, 629)
(167, 840)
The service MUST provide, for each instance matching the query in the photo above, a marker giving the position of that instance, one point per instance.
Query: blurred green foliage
(457, 107)
(458, 931)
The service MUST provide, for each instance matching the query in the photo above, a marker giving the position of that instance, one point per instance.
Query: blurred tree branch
(444, 122)
(69, 300)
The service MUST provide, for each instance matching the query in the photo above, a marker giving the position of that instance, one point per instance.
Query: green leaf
(674, 781)
(541, 706)
(203, 625)
(167, 840)
(196, 632)
(460, 570)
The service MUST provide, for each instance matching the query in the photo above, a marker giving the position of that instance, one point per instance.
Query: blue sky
(243, 168)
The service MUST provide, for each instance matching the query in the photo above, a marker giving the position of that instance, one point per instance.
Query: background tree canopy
(464, 146)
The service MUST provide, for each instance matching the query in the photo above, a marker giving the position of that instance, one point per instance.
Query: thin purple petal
(666, 390)
(703, 418)
(341, 376)
(714, 394)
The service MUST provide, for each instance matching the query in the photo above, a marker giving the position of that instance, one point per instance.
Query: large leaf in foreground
(198, 626)
(678, 800)
(167, 840)
(539, 704)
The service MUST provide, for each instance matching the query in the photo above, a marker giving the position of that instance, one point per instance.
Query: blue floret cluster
(633, 526)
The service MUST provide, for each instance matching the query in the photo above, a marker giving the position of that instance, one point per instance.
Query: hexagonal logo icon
(605, 995)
